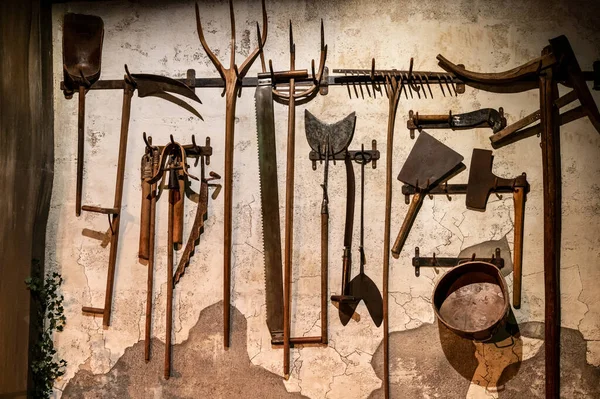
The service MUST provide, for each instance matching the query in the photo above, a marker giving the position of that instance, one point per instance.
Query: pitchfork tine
(211, 55)
(232, 17)
(250, 60)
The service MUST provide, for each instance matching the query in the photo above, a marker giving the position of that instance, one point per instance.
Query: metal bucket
(472, 300)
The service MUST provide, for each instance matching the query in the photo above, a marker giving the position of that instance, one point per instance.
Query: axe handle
(411, 215)
(145, 223)
(178, 209)
(519, 202)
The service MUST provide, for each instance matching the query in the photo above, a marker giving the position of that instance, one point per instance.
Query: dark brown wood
(324, 274)
(178, 212)
(169, 312)
(26, 175)
(393, 89)
(80, 150)
(232, 78)
(150, 280)
(552, 225)
(411, 215)
(144, 245)
(289, 229)
(519, 221)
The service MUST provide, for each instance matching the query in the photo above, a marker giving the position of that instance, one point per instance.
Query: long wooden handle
(144, 247)
(178, 209)
(519, 200)
(80, 141)
(407, 224)
(169, 312)
(324, 274)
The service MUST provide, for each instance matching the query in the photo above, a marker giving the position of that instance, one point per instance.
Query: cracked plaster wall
(160, 38)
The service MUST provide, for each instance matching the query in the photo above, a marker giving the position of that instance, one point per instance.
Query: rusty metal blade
(151, 85)
(340, 133)
(269, 198)
(428, 162)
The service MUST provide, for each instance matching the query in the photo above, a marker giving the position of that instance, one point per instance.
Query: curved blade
(151, 85)
(340, 133)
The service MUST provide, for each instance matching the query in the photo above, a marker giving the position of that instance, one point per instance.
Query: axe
(482, 183)
(556, 64)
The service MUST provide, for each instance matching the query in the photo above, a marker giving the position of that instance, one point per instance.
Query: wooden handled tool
(178, 210)
(144, 247)
(428, 163)
(519, 201)
(82, 55)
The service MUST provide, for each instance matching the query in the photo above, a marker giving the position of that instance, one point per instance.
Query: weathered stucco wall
(161, 38)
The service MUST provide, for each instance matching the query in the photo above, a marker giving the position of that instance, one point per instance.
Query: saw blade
(269, 200)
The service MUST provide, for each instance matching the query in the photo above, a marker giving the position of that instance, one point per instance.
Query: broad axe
(483, 182)
(557, 64)
(146, 85)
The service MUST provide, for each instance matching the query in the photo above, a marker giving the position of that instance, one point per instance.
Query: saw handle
(519, 202)
(411, 215)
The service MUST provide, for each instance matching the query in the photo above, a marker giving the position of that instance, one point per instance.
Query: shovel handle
(80, 142)
(519, 201)
(411, 215)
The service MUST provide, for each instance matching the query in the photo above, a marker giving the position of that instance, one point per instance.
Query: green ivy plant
(50, 313)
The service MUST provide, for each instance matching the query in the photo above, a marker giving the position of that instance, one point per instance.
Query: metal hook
(148, 141)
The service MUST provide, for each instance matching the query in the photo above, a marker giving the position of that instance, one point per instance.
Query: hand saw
(269, 200)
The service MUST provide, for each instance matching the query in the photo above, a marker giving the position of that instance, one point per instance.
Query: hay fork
(232, 78)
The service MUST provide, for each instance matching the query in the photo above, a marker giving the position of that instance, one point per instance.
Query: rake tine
(428, 85)
(348, 86)
(441, 86)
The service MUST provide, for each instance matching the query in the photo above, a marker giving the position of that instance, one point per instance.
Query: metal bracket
(372, 154)
(434, 261)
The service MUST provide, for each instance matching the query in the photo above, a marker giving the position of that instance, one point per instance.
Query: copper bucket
(472, 300)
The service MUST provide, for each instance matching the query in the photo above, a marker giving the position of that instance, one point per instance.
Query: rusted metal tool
(557, 64)
(361, 287)
(435, 261)
(485, 117)
(152, 152)
(482, 182)
(411, 81)
(82, 58)
(428, 163)
(347, 303)
(202, 211)
(146, 85)
(146, 173)
(290, 96)
(327, 140)
(232, 78)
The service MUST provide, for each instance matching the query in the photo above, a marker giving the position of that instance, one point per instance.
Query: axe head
(429, 163)
(481, 179)
(338, 134)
